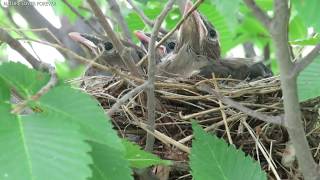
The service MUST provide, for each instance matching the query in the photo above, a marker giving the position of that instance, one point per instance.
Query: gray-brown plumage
(103, 47)
(198, 52)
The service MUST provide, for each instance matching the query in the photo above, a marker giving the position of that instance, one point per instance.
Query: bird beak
(84, 40)
(193, 29)
(145, 40)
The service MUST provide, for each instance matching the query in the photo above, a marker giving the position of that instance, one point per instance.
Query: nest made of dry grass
(179, 101)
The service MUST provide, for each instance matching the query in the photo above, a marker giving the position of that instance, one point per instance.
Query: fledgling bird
(197, 52)
(168, 44)
(103, 47)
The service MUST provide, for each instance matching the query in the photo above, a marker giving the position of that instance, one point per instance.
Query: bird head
(165, 48)
(97, 45)
(102, 47)
(201, 35)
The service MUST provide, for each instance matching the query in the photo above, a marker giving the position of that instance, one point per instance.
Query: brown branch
(144, 18)
(301, 64)
(76, 12)
(126, 97)
(123, 51)
(278, 28)
(151, 103)
(259, 13)
(115, 9)
(269, 119)
(14, 44)
(51, 83)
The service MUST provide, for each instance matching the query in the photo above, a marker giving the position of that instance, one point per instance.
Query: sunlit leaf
(213, 157)
(308, 81)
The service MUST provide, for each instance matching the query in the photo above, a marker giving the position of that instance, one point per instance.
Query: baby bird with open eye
(102, 47)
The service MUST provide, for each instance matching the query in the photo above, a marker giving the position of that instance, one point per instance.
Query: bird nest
(178, 101)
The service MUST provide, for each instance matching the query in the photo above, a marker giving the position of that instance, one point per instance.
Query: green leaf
(25, 80)
(297, 29)
(212, 157)
(225, 33)
(308, 10)
(308, 81)
(65, 73)
(139, 158)
(109, 163)
(41, 146)
(4, 91)
(83, 110)
(307, 42)
(229, 9)
(63, 10)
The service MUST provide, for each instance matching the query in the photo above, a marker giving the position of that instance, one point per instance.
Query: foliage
(212, 158)
(66, 137)
(308, 81)
(139, 158)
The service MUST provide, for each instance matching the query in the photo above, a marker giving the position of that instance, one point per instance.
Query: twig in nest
(160, 136)
(223, 114)
(126, 97)
(264, 152)
(213, 126)
(269, 119)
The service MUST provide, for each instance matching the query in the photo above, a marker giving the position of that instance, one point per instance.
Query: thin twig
(144, 18)
(115, 9)
(269, 119)
(151, 102)
(259, 13)
(51, 83)
(160, 136)
(213, 126)
(75, 11)
(14, 44)
(278, 28)
(265, 154)
(223, 114)
(193, 8)
(126, 97)
(123, 51)
(304, 62)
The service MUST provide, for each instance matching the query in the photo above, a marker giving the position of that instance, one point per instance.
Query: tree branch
(51, 83)
(114, 8)
(75, 11)
(14, 44)
(259, 13)
(301, 64)
(144, 18)
(123, 51)
(278, 28)
(151, 103)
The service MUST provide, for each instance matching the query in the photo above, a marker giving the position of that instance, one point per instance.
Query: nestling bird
(197, 52)
(103, 47)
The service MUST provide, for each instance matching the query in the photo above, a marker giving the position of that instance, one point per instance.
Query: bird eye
(108, 46)
(171, 45)
(212, 33)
